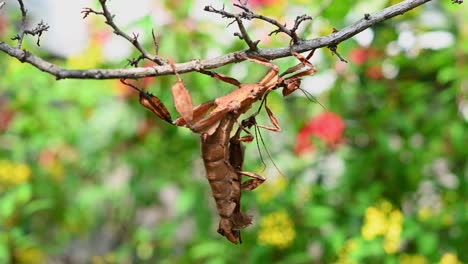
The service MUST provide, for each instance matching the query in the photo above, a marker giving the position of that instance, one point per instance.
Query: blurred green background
(375, 174)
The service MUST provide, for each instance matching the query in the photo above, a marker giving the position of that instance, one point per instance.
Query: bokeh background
(376, 172)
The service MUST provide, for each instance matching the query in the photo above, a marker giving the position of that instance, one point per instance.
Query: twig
(243, 35)
(38, 30)
(22, 29)
(156, 40)
(196, 65)
(237, 18)
(133, 40)
(333, 48)
(298, 21)
(249, 15)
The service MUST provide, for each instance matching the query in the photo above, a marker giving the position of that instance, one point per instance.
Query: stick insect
(214, 121)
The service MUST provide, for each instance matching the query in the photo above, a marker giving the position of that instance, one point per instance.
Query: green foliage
(87, 173)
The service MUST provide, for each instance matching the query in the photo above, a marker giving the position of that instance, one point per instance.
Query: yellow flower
(425, 213)
(449, 258)
(56, 171)
(29, 256)
(344, 257)
(384, 221)
(276, 229)
(12, 174)
(385, 206)
(20, 174)
(391, 246)
(412, 259)
(375, 223)
(90, 58)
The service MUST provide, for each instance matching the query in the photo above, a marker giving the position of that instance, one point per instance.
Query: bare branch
(298, 21)
(21, 33)
(245, 36)
(156, 40)
(132, 39)
(333, 48)
(38, 30)
(248, 15)
(206, 64)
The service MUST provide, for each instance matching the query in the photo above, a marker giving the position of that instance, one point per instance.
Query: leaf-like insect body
(183, 101)
(155, 105)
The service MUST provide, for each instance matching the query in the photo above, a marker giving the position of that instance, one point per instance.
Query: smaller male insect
(214, 120)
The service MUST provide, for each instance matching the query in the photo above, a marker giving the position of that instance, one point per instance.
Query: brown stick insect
(214, 120)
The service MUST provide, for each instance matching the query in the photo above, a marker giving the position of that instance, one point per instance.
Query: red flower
(358, 56)
(6, 115)
(374, 72)
(327, 126)
(303, 142)
(3, 25)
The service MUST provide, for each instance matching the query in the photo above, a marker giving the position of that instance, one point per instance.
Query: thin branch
(237, 18)
(245, 36)
(38, 30)
(132, 39)
(249, 15)
(21, 33)
(334, 47)
(298, 21)
(156, 40)
(206, 64)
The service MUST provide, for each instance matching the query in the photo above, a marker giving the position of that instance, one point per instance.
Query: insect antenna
(311, 98)
(123, 81)
(252, 121)
(247, 124)
(266, 150)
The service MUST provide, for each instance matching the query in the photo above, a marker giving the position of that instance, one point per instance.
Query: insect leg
(254, 182)
(221, 77)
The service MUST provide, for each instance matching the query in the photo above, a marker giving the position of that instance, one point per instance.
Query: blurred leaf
(427, 243)
(318, 215)
(37, 205)
(206, 249)
(446, 74)
(4, 250)
(185, 201)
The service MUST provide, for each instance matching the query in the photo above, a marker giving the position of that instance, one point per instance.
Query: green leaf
(185, 201)
(319, 215)
(427, 243)
(446, 74)
(4, 250)
(206, 249)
